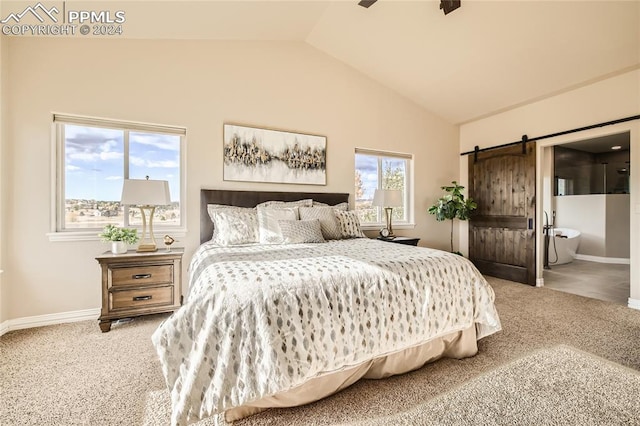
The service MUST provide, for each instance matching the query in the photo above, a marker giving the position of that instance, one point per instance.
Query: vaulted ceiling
(486, 56)
(483, 58)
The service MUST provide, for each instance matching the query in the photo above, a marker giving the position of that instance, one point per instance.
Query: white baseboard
(634, 303)
(599, 259)
(539, 282)
(49, 319)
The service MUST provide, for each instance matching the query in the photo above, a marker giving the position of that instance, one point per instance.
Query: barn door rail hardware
(525, 139)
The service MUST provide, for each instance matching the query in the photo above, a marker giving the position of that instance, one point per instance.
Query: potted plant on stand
(453, 205)
(119, 238)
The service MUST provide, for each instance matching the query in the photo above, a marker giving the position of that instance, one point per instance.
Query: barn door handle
(530, 223)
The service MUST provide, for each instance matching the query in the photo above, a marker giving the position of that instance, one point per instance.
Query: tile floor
(604, 281)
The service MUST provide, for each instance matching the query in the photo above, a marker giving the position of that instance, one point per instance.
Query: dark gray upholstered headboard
(252, 199)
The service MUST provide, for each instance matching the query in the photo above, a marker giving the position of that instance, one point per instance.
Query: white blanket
(259, 320)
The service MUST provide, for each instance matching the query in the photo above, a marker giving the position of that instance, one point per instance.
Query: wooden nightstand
(135, 284)
(410, 241)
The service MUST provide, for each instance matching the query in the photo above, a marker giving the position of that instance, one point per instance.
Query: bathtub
(566, 248)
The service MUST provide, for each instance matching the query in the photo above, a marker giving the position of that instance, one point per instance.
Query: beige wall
(606, 100)
(4, 54)
(199, 85)
(604, 230)
(570, 212)
(618, 221)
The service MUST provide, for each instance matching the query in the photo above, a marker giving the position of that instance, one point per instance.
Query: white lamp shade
(387, 198)
(145, 192)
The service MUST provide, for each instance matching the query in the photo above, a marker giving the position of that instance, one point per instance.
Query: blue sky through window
(157, 156)
(94, 161)
(368, 167)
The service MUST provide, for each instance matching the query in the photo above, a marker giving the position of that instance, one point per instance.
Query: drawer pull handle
(139, 298)
(141, 276)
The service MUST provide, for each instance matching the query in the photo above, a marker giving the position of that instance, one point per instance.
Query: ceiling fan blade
(366, 3)
(449, 6)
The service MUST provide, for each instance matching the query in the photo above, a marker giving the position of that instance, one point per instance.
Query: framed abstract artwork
(252, 154)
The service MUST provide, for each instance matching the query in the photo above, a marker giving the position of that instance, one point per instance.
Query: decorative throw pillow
(340, 206)
(328, 221)
(301, 231)
(231, 227)
(299, 203)
(349, 224)
(211, 208)
(268, 217)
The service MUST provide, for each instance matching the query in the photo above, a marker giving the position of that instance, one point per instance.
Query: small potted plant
(119, 238)
(453, 205)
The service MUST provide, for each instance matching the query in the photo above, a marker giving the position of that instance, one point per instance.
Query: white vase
(118, 247)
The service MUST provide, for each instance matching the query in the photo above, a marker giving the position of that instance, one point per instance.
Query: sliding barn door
(501, 231)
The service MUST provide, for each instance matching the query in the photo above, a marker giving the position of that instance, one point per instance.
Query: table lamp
(146, 194)
(388, 198)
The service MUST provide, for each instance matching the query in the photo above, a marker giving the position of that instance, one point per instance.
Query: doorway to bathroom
(586, 217)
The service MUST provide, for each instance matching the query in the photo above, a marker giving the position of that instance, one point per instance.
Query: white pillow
(328, 222)
(232, 227)
(213, 208)
(268, 217)
(216, 207)
(340, 206)
(301, 231)
(349, 224)
(299, 203)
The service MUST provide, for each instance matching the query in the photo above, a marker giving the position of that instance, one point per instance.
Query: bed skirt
(459, 344)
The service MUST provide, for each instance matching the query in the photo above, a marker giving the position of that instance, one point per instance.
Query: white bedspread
(259, 319)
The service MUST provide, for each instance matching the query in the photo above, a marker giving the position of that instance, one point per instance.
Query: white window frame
(408, 197)
(57, 231)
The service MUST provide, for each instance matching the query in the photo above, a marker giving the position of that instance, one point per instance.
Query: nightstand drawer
(126, 299)
(135, 284)
(141, 275)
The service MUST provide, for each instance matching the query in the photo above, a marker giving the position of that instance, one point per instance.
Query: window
(564, 186)
(382, 170)
(94, 156)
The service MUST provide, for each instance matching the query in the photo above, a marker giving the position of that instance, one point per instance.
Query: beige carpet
(553, 386)
(561, 385)
(72, 374)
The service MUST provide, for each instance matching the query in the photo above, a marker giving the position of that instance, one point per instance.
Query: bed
(281, 325)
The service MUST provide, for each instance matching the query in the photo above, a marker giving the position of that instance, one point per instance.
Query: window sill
(93, 235)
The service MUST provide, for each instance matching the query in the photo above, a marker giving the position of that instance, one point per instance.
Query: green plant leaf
(452, 205)
(114, 233)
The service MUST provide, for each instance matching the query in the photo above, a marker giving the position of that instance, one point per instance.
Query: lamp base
(388, 211)
(142, 248)
(147, 244)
